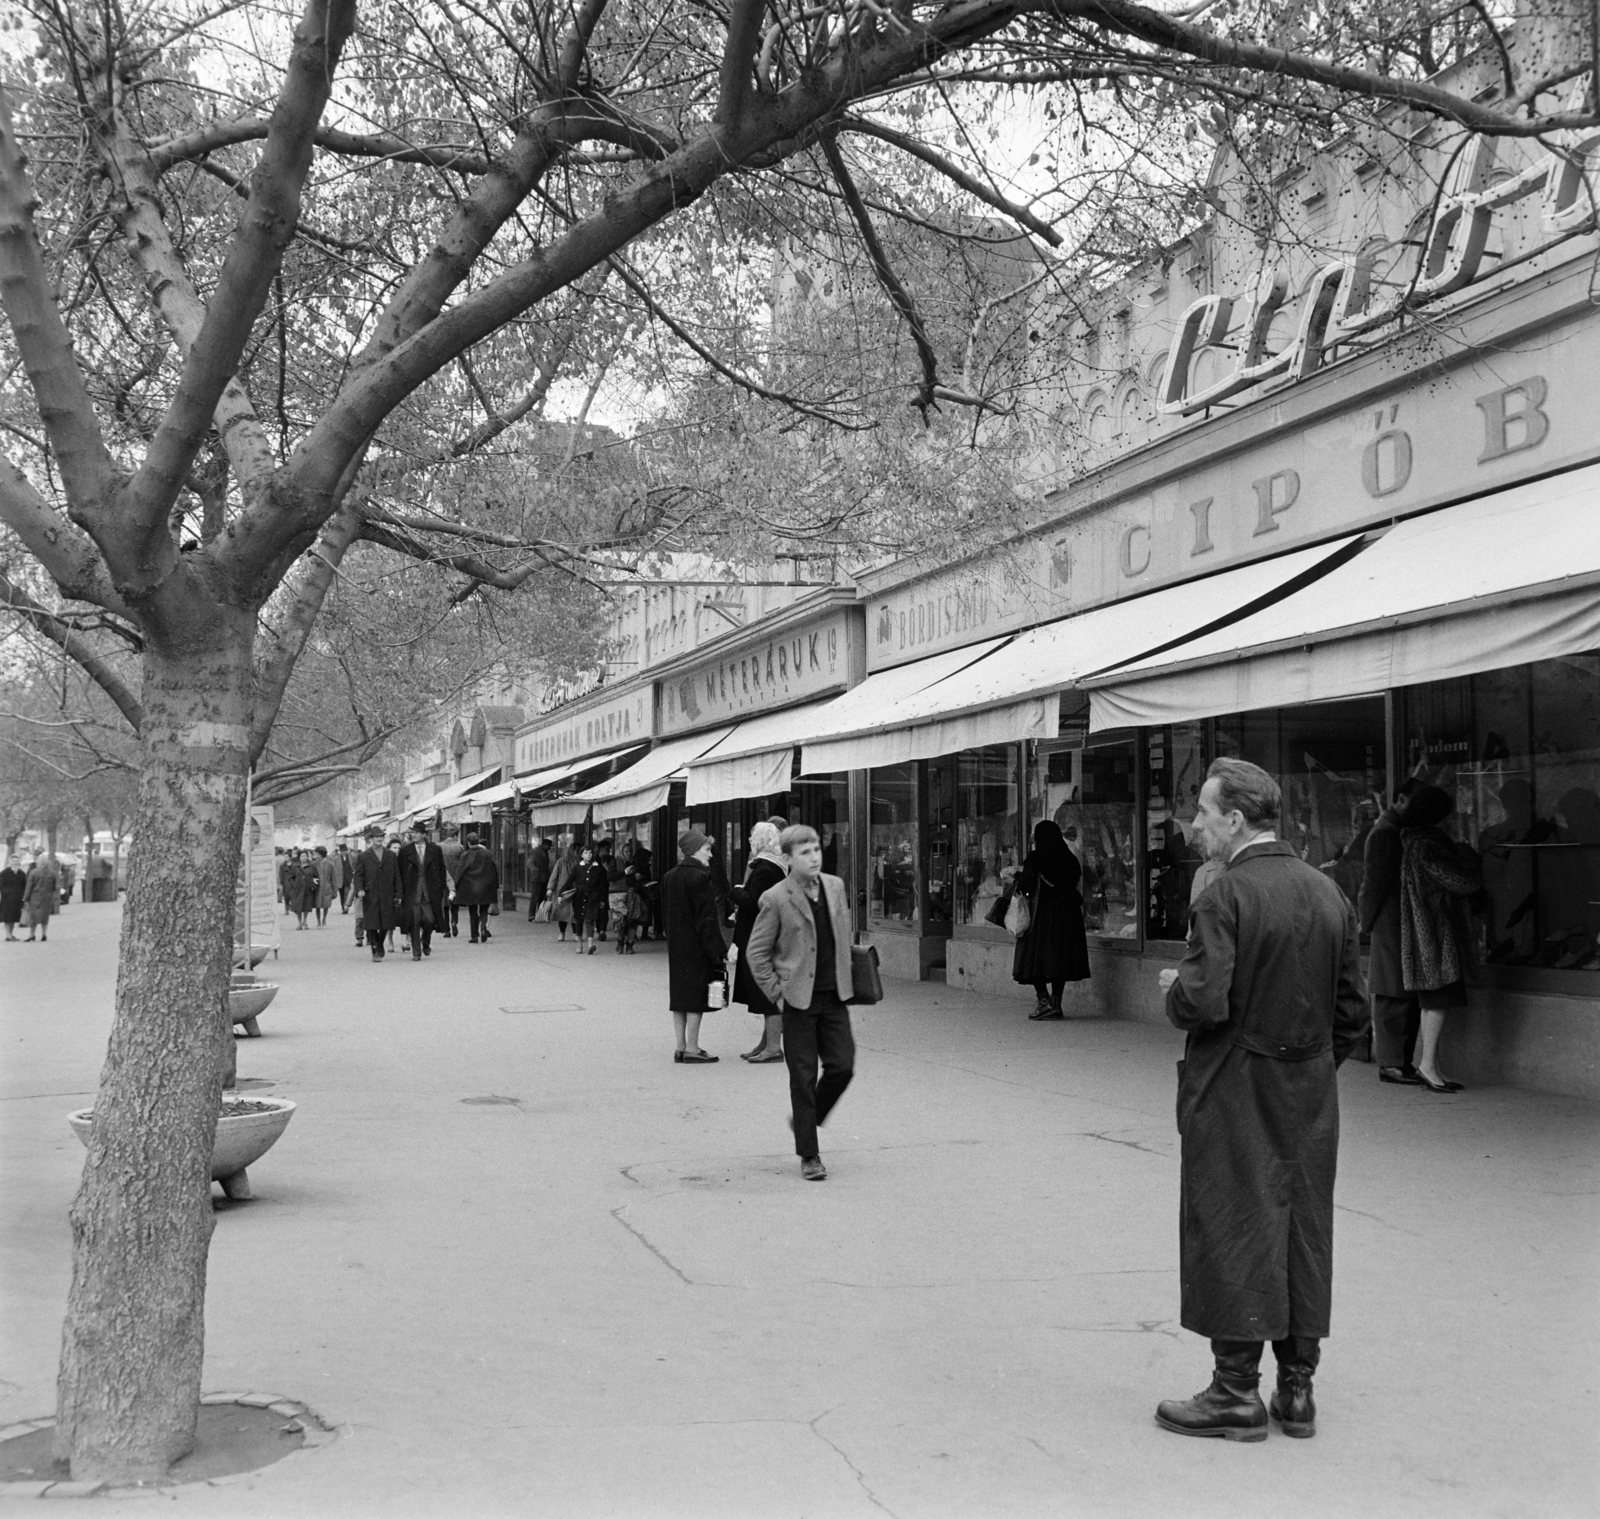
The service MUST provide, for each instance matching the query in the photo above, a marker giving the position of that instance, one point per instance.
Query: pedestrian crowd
(31, 897)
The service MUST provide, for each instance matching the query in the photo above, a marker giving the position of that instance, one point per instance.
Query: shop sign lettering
(624, 720)
(1337, 306)
(775, 673)
(969, 608)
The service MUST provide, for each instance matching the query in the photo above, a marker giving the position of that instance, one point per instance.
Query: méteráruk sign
(777, 672)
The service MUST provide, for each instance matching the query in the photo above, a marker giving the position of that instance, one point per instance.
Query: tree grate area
(233, 1436)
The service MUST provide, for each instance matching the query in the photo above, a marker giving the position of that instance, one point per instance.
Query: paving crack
(1132, 1144)
(1382, 1222)
(1139, 1326)
(617, 1213)
(838, 1450)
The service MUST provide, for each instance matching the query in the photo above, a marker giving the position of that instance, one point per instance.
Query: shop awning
(755, 759)
(1506, 579)
(569, 809)
(1013, 692)
(643, 787)
(451, 794)
(538, 780)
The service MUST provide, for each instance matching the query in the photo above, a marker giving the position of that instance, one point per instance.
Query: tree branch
(738, 58)
(71, 643)
(65, 551)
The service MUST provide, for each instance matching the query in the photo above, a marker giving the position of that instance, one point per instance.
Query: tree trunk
(129, 1385)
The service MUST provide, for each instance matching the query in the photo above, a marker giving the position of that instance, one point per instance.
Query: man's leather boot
(1292, 1404)
(1231, 1407)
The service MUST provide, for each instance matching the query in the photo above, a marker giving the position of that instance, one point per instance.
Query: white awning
(1507, 579)
(755, 759)
(643, 787)
(539, 780)
(1013, 693)
(451, 793)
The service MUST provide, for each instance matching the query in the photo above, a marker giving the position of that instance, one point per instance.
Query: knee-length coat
(1055, 947)
(695, 946)
(41, 895)
(1271, 995)
(376, 875)
(12, 881)
(764, 874)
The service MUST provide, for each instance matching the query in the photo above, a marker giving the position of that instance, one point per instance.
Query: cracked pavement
(528, 1266)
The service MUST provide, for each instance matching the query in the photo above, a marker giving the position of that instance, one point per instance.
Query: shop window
(1519, 750)
(1330, 760)
(939, 871)
(988, 829)
(1175, 761)
(894, 839)
(1092, 794)
(823, 802)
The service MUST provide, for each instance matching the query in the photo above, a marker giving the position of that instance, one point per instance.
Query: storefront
(1388, 568)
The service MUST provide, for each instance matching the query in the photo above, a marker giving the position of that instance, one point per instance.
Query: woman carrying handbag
(1046, 914)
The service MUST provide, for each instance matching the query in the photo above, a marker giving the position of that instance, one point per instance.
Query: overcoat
(591, 890)
(327, 882)
(695, 947)
(763, 875)
(41, 894)
(421, 884)
(1438, 877)
(301, 887)
(12, 882)
(1271, 996)
(1378, 906)
(478, 885)
(377, 878)
(561, 874)
(1055, 947)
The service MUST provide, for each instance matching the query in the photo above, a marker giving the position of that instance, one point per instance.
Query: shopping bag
(1019, 915)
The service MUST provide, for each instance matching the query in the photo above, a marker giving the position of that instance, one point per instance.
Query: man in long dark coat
(695, 948)
(1271, 996)
(423, 885)
(377, 879)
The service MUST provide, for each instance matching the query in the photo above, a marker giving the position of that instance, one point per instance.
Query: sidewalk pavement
(613, 1296)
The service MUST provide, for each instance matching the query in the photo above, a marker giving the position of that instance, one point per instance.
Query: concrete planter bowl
(243, 1137)
(247, 1001)
(258, 953)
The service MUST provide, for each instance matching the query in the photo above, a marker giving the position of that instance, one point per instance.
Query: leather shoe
(812, 1169)
(1400, 1075)
(1231, 1407)
(1440, 1086)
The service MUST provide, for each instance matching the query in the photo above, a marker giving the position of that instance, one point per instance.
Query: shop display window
(1330, 758)
(988, 829)
(823, 802)
(1093, 795)
(1519, 750)
(894, 840)
(1175, 769)
(939, 867)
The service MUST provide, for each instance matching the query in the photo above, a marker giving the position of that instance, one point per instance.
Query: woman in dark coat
(301, 884)
(1438, 939)
(591, 888)
(696, 950)
(12, 881)
(1055, 949)
(766, 870)
(477, 886)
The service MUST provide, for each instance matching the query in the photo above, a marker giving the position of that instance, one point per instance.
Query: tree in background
(267, 288)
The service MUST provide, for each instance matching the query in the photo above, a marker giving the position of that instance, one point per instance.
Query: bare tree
(242, 315)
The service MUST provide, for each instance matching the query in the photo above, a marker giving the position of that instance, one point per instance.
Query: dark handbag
(866, 985)
(998, 909)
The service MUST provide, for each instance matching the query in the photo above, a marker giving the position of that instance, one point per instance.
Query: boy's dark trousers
(821, 1031)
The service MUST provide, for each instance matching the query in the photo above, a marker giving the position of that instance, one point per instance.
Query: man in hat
(377, 880)
(696, 953)
(423, 884)
(450, 847)
(1271, 997)
(799, 954)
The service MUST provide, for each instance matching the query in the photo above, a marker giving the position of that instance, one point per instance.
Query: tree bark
(129, 1386)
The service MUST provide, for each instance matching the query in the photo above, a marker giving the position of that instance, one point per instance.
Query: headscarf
(1052, 851)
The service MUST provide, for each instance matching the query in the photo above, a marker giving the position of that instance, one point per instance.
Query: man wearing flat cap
(696, 950)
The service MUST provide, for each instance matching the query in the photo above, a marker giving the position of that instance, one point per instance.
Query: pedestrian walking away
(377, 882)
(41, 896)
(450, 848)
(1055, 948)
(1440, 878)
(1396, 1013)
(538, 876)
(343, 860)
(424, 884)
(800, 957)
(327, 884)
(696, 953)
(13, 882)
(1270, 995)
(477, 887)
(767, 867)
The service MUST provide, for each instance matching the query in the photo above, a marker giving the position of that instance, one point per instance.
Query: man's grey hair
(795, 835)
(1248, 790)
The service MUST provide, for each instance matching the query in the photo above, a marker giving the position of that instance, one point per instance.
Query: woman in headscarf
(766, 869)
(1438, 939)
(1055, 949)
(563, 879)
